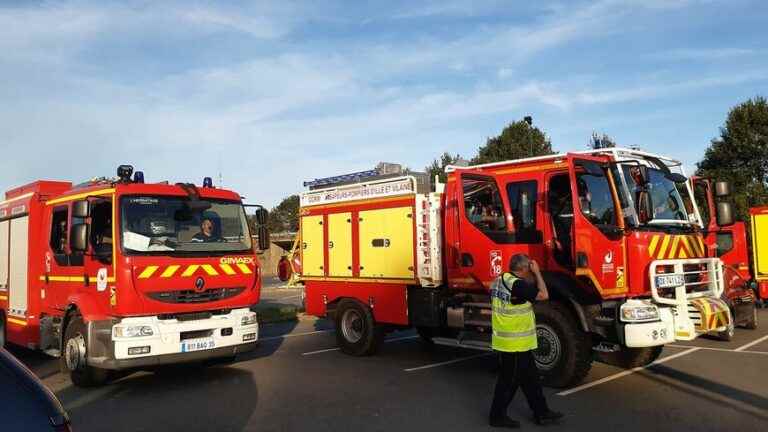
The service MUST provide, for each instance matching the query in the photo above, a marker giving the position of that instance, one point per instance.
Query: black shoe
(505, 422)
(547, 416)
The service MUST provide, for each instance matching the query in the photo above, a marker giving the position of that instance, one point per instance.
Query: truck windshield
(154, 224)
(667, 203)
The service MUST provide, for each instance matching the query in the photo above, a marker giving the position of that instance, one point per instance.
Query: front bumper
(224, 336)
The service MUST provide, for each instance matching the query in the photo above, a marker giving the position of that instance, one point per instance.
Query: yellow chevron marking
(16, 321)
(682, 254)
(210, 270)
(663, 247)
(686, 247)
(148, 272)
(690, 243)
(170, 271)
(244, 268)
(189, 271)
(652, 246)
(227, 269)
(673, 249)
(701, 245)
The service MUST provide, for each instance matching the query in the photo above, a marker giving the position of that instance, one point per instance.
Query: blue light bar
(342, 178)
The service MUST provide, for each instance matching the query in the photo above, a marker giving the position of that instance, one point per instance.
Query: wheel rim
(352, 326)
(74, 352)
(549, 350)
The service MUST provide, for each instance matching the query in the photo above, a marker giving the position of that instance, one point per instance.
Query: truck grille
(192, 296)
(699, 277)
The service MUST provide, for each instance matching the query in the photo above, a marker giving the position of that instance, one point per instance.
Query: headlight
(630, 312)
(249, 319)
(132, 331)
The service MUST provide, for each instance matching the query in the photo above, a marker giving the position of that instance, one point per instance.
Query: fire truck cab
(118, 274)
(616, 232)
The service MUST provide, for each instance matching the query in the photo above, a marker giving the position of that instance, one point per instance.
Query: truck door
(483, 227)
(63, 268)
(99, 262)
(598, 246)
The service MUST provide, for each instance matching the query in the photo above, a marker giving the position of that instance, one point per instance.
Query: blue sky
(274, 93)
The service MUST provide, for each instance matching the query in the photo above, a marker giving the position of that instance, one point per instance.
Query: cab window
(482, 204)
(522, 202)
(700, 194)
(594, 194)
(60, 235)
(101, 230)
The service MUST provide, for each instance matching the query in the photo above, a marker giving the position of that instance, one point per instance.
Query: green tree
(437, 168)
(517, 140)
(740, 155)
(601, 141)
(285, 216)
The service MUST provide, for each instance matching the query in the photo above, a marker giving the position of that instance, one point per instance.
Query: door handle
(467, 260)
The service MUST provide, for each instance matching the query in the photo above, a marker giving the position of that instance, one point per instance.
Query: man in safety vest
(514, 338)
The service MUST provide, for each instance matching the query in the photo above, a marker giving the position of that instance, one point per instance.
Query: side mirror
(722, 189)
(78, 240)
(81, 209)
(724, 214)
(644, 207)
(263, 234)
(261, 216)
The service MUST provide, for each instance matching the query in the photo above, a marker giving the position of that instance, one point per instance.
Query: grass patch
(272, 313)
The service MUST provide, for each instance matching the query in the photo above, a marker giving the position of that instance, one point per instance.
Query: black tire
(752, 321)
(74, 354)
(629, 358)
(564, 355)
(356, 331)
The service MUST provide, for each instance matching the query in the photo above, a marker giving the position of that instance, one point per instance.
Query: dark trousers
(517, 369)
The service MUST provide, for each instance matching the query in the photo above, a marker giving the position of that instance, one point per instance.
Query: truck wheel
(564, 353)
(751, 323)
(629, 358)
(74, 355)
(356, 331)
(426, 334)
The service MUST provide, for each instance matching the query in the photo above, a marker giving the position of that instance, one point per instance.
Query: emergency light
(138, 177)
(124, 172)
(207, 182)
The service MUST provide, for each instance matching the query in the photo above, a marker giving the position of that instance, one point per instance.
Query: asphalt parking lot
(298, 380)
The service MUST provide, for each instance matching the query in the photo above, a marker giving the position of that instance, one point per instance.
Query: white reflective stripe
(501, 310)
(505, 334)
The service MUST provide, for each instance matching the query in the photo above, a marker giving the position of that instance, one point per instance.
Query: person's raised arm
(542, 287)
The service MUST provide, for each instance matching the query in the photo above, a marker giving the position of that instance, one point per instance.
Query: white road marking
(295, 334)
(429, 366)
(626, 372)
(718, 349)
(337, 348)
(754, 342)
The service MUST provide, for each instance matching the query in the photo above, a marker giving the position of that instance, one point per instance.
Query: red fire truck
(727, 239)
(624, 259)
(121, 274)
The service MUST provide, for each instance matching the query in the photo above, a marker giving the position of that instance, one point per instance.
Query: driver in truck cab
(206, 233)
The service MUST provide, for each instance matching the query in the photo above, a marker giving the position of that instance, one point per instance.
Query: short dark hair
(519, 262)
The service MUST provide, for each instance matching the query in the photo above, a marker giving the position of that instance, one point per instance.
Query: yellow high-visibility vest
(514, 325)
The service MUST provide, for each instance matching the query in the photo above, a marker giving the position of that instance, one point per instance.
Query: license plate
(197, 344)
(669, 281)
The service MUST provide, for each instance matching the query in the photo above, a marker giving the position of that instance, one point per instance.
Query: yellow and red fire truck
(615, 231)
(120, 274)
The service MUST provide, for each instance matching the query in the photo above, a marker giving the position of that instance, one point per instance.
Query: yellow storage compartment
(340, 244)
(312, 257)
(760, 244)
(386, 243)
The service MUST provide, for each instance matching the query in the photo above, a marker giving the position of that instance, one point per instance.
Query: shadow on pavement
(739, 400)
(189, 399)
